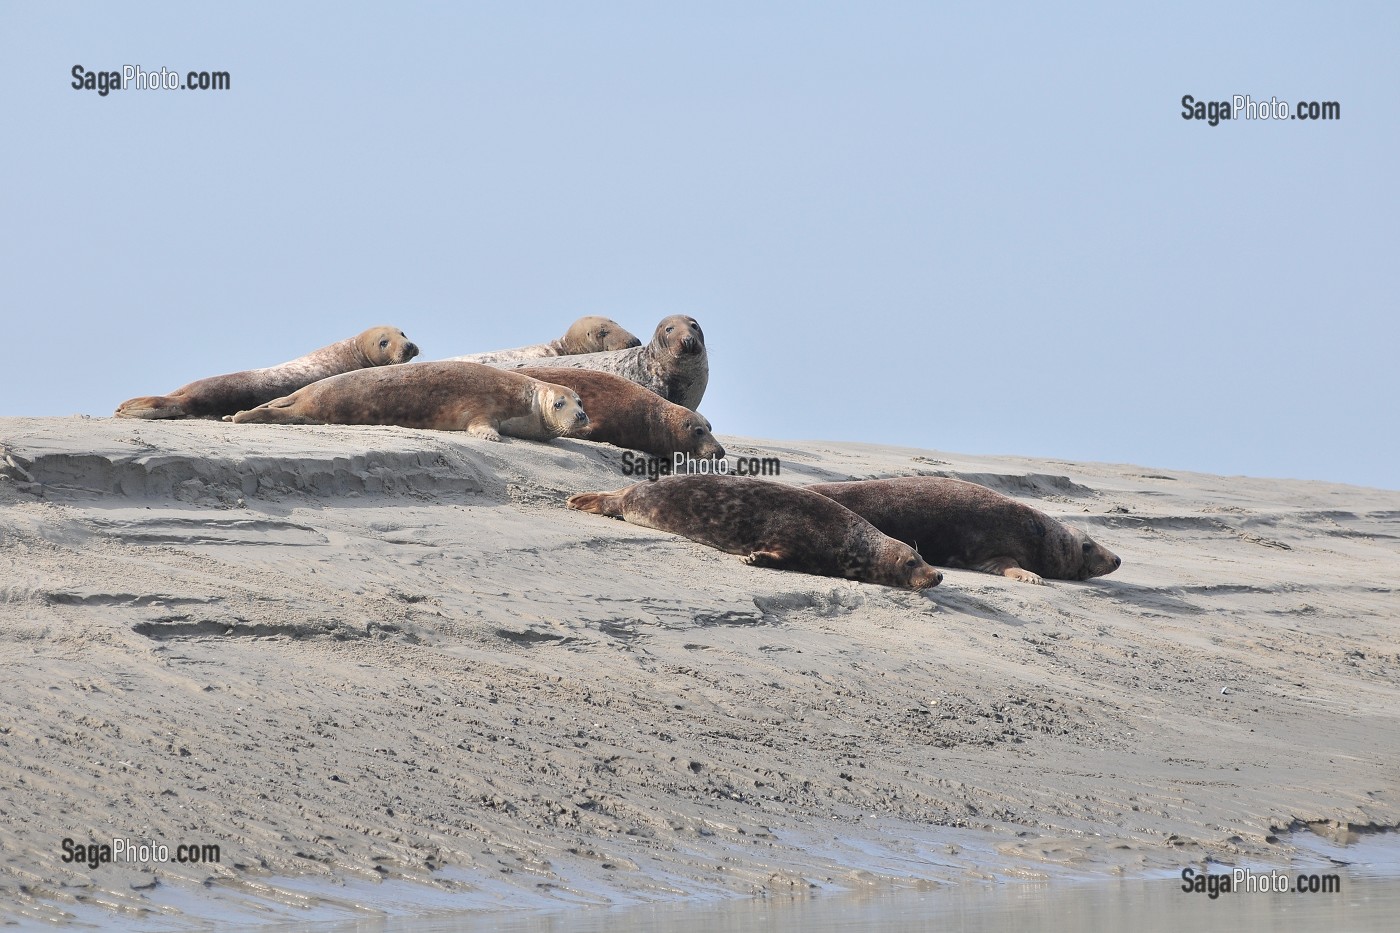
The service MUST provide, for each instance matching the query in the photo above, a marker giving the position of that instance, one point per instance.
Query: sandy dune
(387, 668)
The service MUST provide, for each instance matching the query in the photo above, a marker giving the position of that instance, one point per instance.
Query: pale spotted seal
(675, 365)
(592, 334)
(217, 396)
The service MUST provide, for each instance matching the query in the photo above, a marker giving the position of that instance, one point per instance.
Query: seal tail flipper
(150, 406)
(599, 503)
(273, 412)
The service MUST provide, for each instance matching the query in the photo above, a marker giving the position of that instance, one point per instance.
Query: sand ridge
(371, 658)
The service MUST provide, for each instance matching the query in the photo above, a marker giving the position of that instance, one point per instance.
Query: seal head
(385, 346)
(595, 334)
(679, 335)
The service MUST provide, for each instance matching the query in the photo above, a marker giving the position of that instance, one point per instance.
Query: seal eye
(558, 403)
(1087, 547)
(699, 432)
(383, 343)
(670, 328)
(911, 563)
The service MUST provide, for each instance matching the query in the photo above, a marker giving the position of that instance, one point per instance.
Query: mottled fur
(954, 523)
(626, 415)
(771, 524)
(675, 365)
(444, 395)
(592, 334)
(217, 396)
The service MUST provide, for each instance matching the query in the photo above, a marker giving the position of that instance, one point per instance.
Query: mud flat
(385, 671)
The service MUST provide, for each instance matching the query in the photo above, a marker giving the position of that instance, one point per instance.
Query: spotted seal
(217, 396)
(771, 524)
(675, 364)
(444, 395)
(624, 414)
(592, 334)
(954, 523)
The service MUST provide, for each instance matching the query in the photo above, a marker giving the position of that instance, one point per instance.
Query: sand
(385, 670)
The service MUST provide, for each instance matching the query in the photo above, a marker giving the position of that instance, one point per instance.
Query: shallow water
(1367, 867)
(1365, 902)
(1143, 906)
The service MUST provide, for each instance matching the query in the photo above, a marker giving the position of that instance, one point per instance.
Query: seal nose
(689, 345)
(927, 577)
(581, 416)
(410, 351)
(1117, 562)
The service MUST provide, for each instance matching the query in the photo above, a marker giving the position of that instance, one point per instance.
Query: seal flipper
(1007, 567)
(484, 430)
(273, 412)
(150, 406)
(599, 503)
(768, 558)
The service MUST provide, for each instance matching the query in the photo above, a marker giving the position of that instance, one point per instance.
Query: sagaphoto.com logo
(134, 76)
(1244, 107)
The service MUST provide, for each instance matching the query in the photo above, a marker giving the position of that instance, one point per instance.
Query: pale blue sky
(981, 228)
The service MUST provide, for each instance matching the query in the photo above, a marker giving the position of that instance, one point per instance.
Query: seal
(218, 396)
(955, 523)
(771, 524)
(674, 365)
(444, 396)
(624, 414)
(592, 334)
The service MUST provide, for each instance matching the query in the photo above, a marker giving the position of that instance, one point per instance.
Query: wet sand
(386, 671)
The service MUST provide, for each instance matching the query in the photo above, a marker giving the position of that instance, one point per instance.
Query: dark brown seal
(675, 365)
(954, 523)
(444, 395)
(626, 415)
(223, 395)
(592, 334)
(771, 524)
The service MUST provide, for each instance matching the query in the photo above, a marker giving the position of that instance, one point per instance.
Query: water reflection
(1365, 902)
